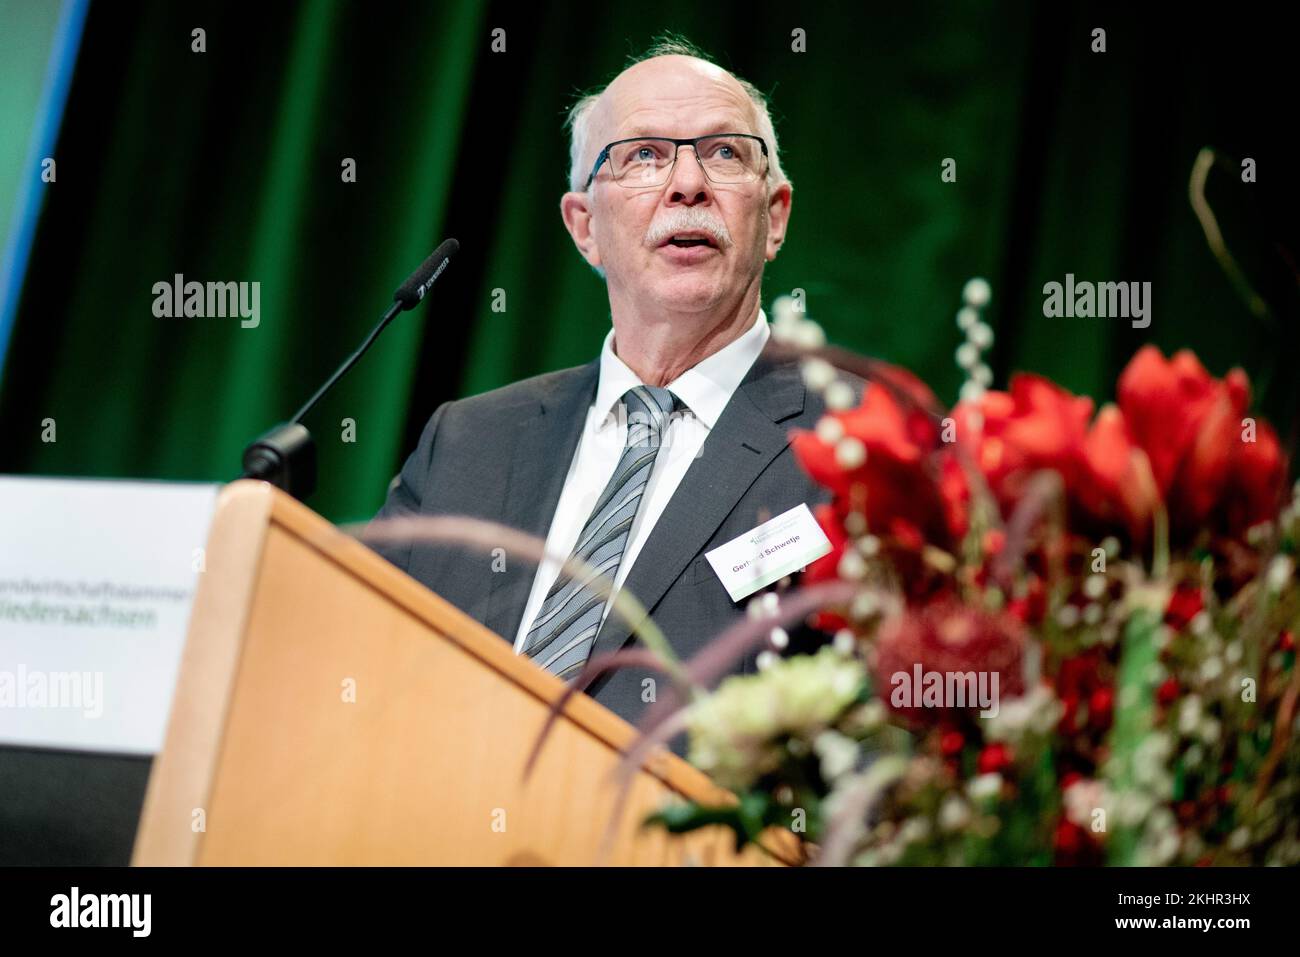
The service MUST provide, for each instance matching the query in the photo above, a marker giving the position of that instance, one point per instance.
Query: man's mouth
(688, 239)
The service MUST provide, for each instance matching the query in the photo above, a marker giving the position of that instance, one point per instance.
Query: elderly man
(675, 439)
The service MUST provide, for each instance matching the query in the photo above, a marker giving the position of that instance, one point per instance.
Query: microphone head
(417, 284)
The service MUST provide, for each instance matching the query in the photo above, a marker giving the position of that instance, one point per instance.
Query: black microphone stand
(285, 456)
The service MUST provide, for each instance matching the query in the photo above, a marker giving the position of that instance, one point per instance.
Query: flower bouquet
(1059, 637)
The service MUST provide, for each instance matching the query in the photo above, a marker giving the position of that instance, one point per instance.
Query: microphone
(286, 455)
(411, 292)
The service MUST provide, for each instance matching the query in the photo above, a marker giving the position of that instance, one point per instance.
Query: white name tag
(768, 552)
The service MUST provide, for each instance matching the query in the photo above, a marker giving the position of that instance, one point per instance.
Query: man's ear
(778, 218)
(575, 208)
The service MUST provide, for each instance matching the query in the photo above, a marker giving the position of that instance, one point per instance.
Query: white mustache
(686, 219)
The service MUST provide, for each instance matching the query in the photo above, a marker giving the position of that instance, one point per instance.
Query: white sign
(768, 552)
(96, 583)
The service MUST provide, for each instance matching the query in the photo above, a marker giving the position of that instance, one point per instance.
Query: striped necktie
(562, 635)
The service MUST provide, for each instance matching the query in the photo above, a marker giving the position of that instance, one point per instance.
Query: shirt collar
(706, 387)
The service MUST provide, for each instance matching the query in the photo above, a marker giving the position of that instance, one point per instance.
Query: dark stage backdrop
(226, 166)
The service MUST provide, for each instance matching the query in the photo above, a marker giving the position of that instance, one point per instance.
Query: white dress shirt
(705, 388)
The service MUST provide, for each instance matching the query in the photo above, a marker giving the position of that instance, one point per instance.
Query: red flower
(1165, 402)
(950, 639)
(951, 743)
(1168, 692)
(883, 465)
(1030, 607)
(1184, 604)
(1070, 839)
(826, 568)
(994, 759)
(1116, 485)
(1101, 708)
(1036, 425)
(1079, 676)
(1210, 464)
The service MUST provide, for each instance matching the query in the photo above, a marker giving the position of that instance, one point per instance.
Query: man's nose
(688, 185)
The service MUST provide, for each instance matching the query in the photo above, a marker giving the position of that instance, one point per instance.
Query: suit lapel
(544, 440)
(743, 442)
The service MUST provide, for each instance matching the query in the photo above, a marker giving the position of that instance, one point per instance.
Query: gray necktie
(565, 628)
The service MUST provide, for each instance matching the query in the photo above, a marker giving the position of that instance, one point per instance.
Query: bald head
(653, 93)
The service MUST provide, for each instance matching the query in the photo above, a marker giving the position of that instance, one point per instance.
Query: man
(676, 438)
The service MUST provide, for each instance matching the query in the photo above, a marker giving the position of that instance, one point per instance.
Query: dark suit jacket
(504, 455)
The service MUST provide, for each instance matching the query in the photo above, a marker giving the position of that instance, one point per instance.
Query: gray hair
(579, 120)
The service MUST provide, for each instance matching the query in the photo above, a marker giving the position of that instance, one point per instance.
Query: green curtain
(225, 165)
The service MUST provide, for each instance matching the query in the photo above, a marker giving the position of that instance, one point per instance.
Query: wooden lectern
(329, 709)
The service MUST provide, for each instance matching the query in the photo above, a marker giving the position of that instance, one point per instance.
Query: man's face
(627, 231)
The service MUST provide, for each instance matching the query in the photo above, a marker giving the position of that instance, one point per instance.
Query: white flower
(1239, 839)
(852, 567)
(1081, 799)
(809, 335)
(839, 395)
(850, 452)
(1036, 711)
(977, 292)
(1211, 668)
(817, 373)
(734, 731)
(984, 786)
(1279, 572)
(829, 429)
(954, 813)
(914, 830)
(1209, 730)
(865, 718)
(1189, 715)
(784, 312)
(838, 753)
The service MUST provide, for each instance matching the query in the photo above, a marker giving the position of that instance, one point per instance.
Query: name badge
(768, 552)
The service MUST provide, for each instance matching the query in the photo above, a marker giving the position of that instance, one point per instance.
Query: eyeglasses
(644, 161)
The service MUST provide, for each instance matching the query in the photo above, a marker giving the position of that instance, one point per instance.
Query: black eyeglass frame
(677, 145)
